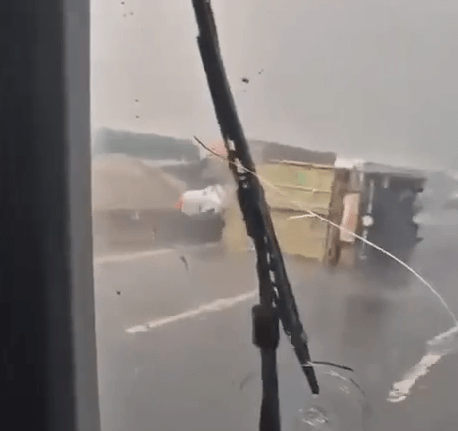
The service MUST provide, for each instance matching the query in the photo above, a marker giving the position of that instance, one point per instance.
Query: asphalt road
(174, 355)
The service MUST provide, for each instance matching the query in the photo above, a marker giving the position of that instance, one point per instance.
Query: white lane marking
(114, 258)
(438, 347)
(212, 307)
(402, 388)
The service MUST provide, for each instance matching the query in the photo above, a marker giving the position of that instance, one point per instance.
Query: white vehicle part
(371, 196)
(368, 221)
(206, 200)
(365, 232)
(349, 217)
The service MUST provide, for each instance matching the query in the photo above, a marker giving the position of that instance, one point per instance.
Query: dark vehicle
(389, 204)
(154, 228)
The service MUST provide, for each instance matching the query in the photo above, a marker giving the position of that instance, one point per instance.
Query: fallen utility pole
(276, 298)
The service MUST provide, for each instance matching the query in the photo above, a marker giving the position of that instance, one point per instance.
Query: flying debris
(185, 262)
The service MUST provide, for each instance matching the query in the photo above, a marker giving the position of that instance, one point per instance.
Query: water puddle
(315, 419)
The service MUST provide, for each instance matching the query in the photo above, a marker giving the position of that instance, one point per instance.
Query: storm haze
(374, 79)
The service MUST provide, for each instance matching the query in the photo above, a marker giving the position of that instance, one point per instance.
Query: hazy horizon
(368, 79)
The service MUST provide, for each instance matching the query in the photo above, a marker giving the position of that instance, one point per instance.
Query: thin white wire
(300, 207)
(309, 213)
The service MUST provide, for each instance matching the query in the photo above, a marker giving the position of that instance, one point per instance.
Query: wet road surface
(188, 362)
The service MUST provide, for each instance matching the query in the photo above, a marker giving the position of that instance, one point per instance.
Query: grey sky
(371, 78)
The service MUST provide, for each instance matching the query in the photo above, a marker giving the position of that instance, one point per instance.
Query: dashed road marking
(117, 258)
(211, 307)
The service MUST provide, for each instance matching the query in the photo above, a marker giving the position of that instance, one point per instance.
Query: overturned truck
(306, 189)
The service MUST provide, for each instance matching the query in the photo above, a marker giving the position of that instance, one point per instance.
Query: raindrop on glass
(314, 419)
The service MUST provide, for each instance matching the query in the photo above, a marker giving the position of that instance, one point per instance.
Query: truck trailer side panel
(297, 187)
